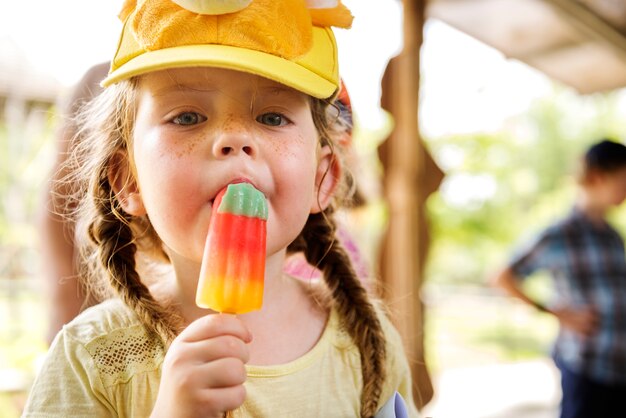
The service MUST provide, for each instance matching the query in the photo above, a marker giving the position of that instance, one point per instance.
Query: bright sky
(65, 37)
(62, 37)
(468, 86)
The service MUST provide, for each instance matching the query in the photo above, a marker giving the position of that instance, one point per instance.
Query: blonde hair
(113, 238)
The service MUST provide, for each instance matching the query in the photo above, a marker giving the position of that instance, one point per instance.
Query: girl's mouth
(233, 181)
(241, 180)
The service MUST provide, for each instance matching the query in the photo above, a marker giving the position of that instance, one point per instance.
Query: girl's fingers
(223, 346)
(215, 325)
(198, 397)
(204, 366)
(191, 380)
(228, 398)
(222, 373)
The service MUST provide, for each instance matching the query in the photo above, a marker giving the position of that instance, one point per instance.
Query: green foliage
(25, 154)
(10, 407)
(26, 150)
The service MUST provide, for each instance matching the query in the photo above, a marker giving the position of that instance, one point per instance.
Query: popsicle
(233, 264)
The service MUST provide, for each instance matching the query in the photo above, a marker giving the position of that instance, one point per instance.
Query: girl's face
(199, 129)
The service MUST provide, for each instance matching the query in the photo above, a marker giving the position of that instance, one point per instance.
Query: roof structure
(581, 43)
(19, 79)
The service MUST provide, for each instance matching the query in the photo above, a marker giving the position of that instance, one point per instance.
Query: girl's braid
(113, 237)
(321, 249)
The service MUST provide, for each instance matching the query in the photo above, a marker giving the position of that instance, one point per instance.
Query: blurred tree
(25, 154)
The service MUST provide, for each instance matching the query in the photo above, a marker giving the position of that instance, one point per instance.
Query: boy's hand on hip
(203, 371)
(583, 319)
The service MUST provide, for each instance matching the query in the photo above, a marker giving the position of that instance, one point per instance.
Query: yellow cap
(277, 39)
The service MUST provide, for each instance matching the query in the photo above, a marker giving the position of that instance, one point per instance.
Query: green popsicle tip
(244, 199)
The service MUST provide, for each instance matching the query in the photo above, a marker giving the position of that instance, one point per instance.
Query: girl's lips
(241, 180)
(233, 181)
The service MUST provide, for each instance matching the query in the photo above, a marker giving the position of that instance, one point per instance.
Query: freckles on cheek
(282, 151)
(164, 157)
(170, 184)
(178, 180)
(188, 148)
(156, 144)
(293, 147)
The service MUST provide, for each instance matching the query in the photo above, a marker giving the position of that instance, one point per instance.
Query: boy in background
(585, 257)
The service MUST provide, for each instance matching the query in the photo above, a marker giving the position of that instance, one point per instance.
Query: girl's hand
(203, 371)
(582, 320)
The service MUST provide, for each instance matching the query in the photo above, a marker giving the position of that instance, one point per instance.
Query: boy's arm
(583, 320)
(508, 281)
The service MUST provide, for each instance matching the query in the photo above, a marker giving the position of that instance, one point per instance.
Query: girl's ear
(124, 184)
(326, 179)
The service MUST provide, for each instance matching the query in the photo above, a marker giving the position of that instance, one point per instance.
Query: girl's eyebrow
(204, 87)
(177, 88)
(278, 91)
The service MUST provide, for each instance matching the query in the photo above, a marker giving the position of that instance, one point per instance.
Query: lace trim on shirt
(125, 352)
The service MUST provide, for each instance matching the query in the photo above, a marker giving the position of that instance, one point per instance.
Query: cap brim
(290, 73)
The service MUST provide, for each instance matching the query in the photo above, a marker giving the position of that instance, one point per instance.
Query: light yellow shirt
(104, 364)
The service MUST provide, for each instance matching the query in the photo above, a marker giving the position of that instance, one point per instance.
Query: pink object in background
(297, 266)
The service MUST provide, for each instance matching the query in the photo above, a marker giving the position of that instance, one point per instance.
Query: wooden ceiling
(581, 43)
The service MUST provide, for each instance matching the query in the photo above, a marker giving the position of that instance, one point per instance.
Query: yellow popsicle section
(233, 265)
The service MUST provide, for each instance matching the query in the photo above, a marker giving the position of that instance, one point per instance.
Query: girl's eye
(188, 119)
(272, 119)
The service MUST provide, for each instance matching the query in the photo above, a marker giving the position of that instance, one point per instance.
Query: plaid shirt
(588, 266)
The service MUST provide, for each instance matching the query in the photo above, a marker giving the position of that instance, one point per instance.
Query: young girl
(201, 95)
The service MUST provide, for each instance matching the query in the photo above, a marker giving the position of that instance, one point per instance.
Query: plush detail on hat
(284, 30)
(321, 4)
(338, 16)
(213, 7)
(127, 9)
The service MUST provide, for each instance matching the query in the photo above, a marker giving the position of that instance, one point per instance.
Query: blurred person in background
(60, 269)
(585, 257)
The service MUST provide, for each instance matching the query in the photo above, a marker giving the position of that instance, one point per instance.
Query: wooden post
(410, 176)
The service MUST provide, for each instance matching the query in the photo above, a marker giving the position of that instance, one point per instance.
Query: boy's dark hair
(606, 155)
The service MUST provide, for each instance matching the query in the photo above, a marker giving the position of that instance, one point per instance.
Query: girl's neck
(289, 324)
(181, 288)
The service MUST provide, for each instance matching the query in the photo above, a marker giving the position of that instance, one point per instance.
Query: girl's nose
(234, 143)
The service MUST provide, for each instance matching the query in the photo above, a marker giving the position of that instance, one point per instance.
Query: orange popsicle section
(233, 265)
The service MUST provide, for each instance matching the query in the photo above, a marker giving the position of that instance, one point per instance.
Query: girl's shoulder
(95, 364)
(107, 317)
(114, 341)
(398, 378)
(392, 336)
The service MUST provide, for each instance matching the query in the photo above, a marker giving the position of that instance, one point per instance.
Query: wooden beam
(590, 23)
(410, 175)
